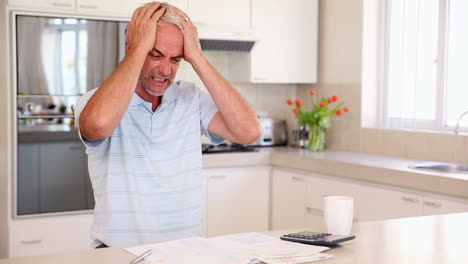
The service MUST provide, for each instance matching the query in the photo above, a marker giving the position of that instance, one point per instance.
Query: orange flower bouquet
(317, 120)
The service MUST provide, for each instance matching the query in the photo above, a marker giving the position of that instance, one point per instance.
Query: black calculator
(317, 239)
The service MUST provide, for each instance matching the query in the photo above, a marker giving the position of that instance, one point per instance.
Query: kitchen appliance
(226, 148)
(274, 133)
(300, 138)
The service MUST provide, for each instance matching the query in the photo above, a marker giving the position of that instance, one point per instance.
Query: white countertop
(373, 168)
(429, 240)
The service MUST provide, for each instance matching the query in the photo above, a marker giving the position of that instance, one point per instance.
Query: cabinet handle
(295, 178)
(89, 6)
(61, 4)
(311, 209)
(260, 78)
(30, 242)
(218, 177)
(432, 204)
(411, 200)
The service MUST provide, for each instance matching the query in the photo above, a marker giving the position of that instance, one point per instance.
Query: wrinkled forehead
(169, 40)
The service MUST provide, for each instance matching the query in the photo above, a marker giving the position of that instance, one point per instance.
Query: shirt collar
(170, 94)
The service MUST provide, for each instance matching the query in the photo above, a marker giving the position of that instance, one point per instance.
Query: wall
(340, 70)
(4, 132)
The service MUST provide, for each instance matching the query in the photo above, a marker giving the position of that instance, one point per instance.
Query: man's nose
(165, 68)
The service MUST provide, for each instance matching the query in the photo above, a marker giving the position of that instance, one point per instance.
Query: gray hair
(169, 16)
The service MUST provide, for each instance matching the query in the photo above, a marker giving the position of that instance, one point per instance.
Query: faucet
(458, 122)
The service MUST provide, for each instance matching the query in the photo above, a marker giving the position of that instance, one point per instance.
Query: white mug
(338, 212)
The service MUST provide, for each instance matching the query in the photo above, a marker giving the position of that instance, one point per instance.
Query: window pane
(68, 62)
(83, 55)
(412, 71)
(71, 21)
(457, 56)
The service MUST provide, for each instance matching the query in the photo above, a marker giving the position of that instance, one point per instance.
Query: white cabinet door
(45, 5)
(225, 14)
(48, 235)
(237, 200)
(121, 8)
(288, 200)
(286, 51)
(379, 203)
(319, 185)
(440, 206)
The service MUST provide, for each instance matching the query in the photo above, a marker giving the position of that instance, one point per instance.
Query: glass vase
(316, 138)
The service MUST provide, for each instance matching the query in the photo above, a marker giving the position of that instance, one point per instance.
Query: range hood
(226, 40)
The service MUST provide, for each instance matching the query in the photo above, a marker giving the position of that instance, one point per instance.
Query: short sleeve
(80, 105)
(207, 111)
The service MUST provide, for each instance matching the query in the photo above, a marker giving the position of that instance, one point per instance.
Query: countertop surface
(47, 133)
(352, 165)
(428, 240)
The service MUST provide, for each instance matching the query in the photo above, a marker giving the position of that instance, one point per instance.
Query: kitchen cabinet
(297, 198)
(286, 49)
(122, 9)
(237, 200)
(371, 201)
(288, 196)
(437, 206)
(291, 204)
(43, 5)
(379, 203)
(224, 14)
(48, 235)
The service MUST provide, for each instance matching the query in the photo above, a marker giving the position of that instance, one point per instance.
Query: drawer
(47, 235)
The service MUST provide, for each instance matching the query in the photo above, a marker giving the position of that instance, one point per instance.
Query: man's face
(162, 62)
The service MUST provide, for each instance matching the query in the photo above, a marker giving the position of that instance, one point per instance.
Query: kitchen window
(421, 63)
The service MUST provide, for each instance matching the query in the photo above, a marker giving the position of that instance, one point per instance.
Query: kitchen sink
(441, 166)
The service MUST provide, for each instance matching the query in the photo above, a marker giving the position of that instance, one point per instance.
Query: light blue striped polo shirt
(147, 177)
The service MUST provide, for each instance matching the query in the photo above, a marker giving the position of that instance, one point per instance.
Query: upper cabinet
(226, 14)
(43, 5)
(286, 50)
(122, 9)
(119, 8)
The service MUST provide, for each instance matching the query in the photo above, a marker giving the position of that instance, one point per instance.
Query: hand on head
(192, 48)
(141, 31)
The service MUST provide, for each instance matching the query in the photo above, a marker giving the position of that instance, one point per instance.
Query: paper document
(245, 248)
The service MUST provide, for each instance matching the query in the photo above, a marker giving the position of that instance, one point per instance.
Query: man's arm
(236, 120)
(106, 107)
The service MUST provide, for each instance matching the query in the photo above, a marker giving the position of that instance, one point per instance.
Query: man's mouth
(158, 80)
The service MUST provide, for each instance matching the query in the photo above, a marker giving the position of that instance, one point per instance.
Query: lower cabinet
(297, 200)
(237, 200)
(287, 200)
(48, 235)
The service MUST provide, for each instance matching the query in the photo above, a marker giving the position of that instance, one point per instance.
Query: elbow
(94, 128)
(250, 134)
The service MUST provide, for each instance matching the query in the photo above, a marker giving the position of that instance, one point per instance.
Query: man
(142, 132)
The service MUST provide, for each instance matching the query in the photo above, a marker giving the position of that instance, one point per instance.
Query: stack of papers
(245, 248)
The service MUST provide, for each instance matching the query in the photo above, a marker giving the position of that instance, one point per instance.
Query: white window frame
(437, 125)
